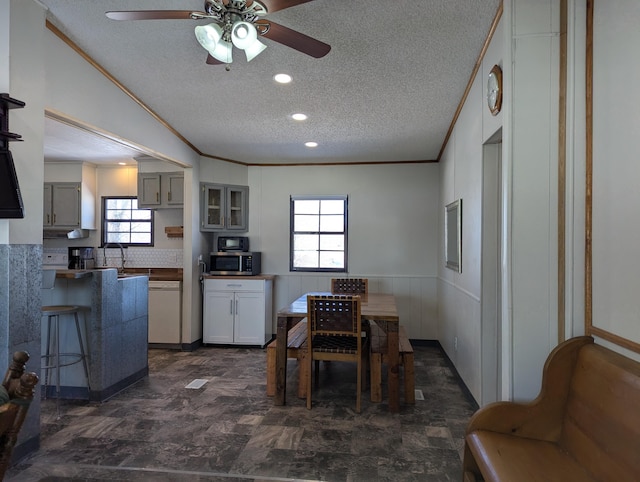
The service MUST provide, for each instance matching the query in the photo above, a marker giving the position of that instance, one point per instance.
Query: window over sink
(125, 223)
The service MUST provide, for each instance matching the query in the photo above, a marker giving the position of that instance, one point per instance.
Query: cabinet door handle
(231, 307)
(236, 306)
(54, 218)
(169, 196)
(48, 219)
(157, 197)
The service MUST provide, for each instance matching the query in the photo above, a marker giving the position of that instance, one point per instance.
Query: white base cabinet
(237, 311)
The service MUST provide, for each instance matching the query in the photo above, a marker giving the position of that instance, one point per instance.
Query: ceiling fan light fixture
(254, 50)
(210, 37)
(224, 52)
(244, 36)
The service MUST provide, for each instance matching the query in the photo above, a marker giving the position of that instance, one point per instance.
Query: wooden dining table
(375, 307)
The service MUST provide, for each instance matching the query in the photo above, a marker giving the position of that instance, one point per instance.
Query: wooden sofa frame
(583, 426)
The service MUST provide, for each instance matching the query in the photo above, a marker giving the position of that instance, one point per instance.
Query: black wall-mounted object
(11, 206)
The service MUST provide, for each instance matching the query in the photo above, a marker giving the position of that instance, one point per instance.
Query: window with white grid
(318, 230)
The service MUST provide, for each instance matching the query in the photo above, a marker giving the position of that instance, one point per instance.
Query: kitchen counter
(154, 274)
(115, 314)
(73, 273)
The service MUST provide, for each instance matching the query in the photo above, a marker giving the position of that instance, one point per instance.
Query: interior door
(491, 333)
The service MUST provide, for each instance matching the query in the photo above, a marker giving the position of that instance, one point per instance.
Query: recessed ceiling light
(311, 144)
(299, 117)
(122, 163)
(282, 78)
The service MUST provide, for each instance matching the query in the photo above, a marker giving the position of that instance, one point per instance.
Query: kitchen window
(318, 228)
(123, 222)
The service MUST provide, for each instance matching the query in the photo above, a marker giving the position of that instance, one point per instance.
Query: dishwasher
(165, 313)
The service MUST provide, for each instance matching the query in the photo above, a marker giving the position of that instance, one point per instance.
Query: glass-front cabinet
(224, 207)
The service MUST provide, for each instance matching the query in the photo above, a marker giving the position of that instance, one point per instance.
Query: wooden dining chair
(334, 328)
(16, 394)
(355, 286)
(349, 286)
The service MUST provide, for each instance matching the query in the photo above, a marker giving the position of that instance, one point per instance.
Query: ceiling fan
(235, 23)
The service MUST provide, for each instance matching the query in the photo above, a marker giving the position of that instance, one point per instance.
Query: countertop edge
(258, 277)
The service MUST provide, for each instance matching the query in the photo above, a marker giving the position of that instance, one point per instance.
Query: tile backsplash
(135, 257)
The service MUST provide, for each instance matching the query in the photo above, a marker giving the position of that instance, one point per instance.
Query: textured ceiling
(387, 90)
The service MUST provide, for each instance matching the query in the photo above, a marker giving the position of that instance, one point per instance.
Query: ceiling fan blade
(275, 5)
(152, 14)
(296, 40)
(212, 60)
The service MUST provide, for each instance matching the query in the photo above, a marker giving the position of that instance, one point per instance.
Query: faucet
(122, 258)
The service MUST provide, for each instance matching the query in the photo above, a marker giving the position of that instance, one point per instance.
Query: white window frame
(292, 234)
(105, 222)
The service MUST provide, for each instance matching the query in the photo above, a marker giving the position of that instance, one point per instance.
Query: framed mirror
(453, 236)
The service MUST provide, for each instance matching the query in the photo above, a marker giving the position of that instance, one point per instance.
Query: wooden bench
(296, 348)
(583, 426)
(378, 356)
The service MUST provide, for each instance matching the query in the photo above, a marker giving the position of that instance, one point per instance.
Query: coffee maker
(81, 257)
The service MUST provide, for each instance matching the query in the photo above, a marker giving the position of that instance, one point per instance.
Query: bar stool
(53, 358)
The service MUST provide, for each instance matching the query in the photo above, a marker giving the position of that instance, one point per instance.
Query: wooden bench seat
(296, 348)
(583, 426)
(378, 356)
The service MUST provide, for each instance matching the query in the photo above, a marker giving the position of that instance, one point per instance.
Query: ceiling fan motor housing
(218, 8)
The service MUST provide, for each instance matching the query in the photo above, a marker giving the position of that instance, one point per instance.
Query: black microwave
(233, 243)
(232, 263)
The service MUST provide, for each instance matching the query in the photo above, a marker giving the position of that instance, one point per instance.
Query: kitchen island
(115, 333)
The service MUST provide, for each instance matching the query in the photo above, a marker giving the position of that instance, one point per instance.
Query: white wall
(22, 77)
(222, 172)
(461, 174)
(615, 274)
(533, 160)
(459, 293)
(616, 143)
(79, 91)
(26, 83)
(526, 45)
(392, 231)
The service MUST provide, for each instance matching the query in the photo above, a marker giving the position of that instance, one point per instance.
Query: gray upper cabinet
(175, 184)
(160, 190)
(62, 205)
(224, 207)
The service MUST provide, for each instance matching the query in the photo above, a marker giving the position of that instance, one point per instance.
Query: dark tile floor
(229, 430)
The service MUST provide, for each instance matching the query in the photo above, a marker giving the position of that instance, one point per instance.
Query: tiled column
(20, 300)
